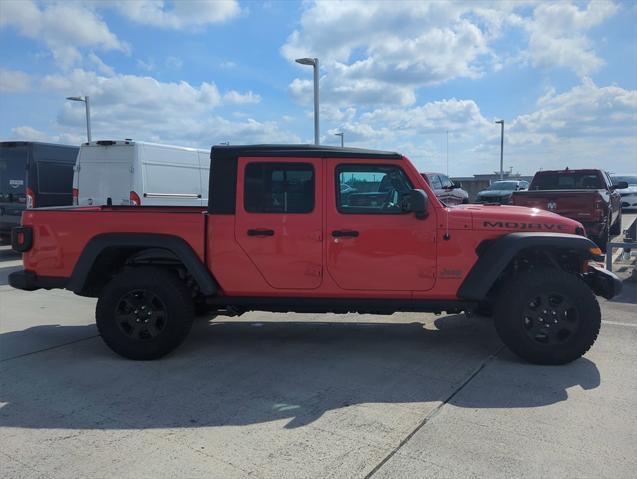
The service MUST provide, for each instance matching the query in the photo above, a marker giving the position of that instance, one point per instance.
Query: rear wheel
(144, 313)
(547, 317)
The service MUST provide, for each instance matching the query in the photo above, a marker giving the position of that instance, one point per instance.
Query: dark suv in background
(33, 174)
(499, 192)
(449, 192)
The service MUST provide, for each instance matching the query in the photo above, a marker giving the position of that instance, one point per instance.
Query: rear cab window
(568, 180)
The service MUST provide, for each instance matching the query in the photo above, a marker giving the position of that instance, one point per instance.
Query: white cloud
(557, 35)
(14, 81)
(584, 112)
(177, 14)
(234, 97)
(100, 65)
(381, 53)
(141, 107)
(376, 53)
(586, 126)
(27, 133)
(62, 27)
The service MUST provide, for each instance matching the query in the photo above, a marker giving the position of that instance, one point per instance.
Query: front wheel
(144, 313)
(547, 317)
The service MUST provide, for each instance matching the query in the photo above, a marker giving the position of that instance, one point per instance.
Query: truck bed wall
(60, 235)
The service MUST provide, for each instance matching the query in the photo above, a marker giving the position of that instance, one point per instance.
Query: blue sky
(394, 75)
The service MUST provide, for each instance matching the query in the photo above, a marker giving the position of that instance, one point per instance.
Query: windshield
(504, 185)
(631, 180)
(13, 174)
(567, 180)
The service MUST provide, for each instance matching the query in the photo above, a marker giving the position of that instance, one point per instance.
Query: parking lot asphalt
(290, 395)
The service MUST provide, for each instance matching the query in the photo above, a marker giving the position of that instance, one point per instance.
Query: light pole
(315, 64)
(501, 122)
(88, 112)
(341, 135)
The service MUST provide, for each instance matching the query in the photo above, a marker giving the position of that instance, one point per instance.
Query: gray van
(33, 174)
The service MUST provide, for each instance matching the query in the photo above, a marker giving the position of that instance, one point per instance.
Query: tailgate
(579, 205)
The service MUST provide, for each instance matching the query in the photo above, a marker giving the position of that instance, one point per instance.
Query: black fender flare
(176, 245)
(495, 256)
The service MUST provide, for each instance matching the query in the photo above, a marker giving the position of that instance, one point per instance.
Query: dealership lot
(288, 395)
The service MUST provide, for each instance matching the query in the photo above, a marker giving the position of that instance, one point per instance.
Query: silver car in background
(628, 195)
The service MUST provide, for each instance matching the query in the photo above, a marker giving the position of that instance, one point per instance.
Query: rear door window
(279, 188)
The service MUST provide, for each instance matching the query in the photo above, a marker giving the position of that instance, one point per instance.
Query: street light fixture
(341, 135)
(501, 123)
(314, 62)
(88, 112)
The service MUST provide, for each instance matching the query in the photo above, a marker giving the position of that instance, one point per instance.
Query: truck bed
(62, 233)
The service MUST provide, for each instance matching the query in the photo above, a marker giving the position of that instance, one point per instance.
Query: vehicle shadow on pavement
(239, 373)
(6, 271)
(628, 294)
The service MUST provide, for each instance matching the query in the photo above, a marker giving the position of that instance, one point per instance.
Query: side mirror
(620, 185)
(417, 202)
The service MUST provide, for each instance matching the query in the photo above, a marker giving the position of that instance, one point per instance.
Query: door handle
(341, 233)
(260, 232)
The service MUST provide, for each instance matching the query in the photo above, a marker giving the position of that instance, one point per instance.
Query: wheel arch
(105, 252)
(495, 256)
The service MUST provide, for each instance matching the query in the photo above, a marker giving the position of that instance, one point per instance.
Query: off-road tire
(171, 317)
(517, 321)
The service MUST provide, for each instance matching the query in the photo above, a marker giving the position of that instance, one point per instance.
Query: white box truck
(131, 172)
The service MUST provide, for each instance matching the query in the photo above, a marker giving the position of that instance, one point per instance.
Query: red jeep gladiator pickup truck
(588, 196)
(318, 229)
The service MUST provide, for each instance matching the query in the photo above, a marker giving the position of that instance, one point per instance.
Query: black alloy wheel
(141, 315)
(550, 319)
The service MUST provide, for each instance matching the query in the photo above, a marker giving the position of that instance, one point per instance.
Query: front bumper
(29, 281)
(603, 282)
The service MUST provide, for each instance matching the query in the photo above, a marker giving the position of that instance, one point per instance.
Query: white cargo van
(139, 173)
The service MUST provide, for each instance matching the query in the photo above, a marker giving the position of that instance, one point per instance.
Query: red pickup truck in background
(316, 229)
(587, 196)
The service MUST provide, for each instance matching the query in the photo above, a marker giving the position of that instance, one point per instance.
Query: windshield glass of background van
(568, 181)
(13, 163)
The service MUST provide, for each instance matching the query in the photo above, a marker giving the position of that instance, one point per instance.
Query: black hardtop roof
(235, 151)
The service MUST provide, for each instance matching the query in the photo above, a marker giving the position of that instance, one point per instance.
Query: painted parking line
(617, 323)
